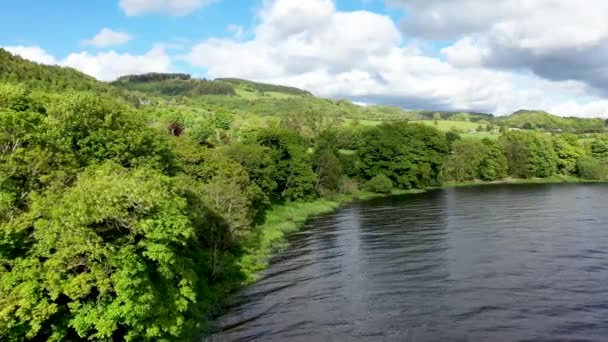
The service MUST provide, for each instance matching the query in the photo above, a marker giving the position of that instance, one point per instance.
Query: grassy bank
(555, 179)
(287, 218)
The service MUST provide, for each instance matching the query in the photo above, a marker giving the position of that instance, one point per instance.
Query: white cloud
(171, 7)
(556, 39)
(32, 53)
(540, 24)
(360, 55)
(107, 37)
(105, 66)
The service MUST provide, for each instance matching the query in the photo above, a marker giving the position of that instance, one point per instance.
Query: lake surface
(488, 263)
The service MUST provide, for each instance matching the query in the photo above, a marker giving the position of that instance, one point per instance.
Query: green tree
(464, 162)
(494, 164)
(411, 155)
(110, 258)
(568, 152)
(529, 154)
(599, 148)
(326, 162)
(293, 170)
(590, 168)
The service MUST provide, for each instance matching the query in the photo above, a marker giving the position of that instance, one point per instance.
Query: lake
(484, 263)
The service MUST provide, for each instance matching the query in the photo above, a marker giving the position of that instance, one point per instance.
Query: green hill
(532, 119)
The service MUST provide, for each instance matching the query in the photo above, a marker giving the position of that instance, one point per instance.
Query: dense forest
(134, 219)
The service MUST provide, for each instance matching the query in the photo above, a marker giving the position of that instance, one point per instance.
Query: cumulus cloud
(556, 39)
(361, 55)
(105, 66)
(171, 7)
(107, 37)
(32, 53)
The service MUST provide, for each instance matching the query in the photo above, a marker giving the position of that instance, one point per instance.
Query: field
(444, 125)
(248, 94)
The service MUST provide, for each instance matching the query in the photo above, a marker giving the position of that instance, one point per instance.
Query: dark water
(496, 263)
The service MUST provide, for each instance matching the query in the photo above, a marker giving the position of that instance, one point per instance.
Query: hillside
(262, 99)
(530, 119)
(14, 69)
(264, 87)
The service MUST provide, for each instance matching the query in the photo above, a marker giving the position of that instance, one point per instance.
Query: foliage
(568, 152)
(380, 184)
(529, 154)
(411, 155)
(326, 162)
(590, 168)
(153, 77)
(130, 216)
(599, 148)
(473, 159)
(173, 85)
(293, 172)
(111, 254)
(494, 164)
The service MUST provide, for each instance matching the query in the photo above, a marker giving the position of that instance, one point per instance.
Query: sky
(494, 56)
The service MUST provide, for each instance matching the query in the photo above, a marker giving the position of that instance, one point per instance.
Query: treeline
(153, 77)
(527, 155)
(455, 116)
(530, 120)
(175, 86)
(118, 223)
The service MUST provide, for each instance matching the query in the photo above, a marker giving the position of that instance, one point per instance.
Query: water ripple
(499, 263)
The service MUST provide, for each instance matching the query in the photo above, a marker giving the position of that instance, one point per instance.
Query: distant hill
(534, 119)
(261, 98)
(265, 87)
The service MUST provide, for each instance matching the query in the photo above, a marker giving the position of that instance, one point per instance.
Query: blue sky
(426, 54)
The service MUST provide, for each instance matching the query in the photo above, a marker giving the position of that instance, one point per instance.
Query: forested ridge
(132, 214)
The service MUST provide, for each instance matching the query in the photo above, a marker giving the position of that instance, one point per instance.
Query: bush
(590, 168)
(380, 184)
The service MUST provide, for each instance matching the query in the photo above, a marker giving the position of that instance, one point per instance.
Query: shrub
(380, 184)
(590, 168)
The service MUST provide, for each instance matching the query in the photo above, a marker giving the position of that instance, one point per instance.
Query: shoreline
(291, 217)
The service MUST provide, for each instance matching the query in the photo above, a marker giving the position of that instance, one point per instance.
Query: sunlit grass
(446, 125)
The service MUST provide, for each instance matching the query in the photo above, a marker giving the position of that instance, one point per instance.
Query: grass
(280, 220)
(290, 217)
(446, 125)
(369, 123)
(555, 179)
(252, 95)
(481, 135)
